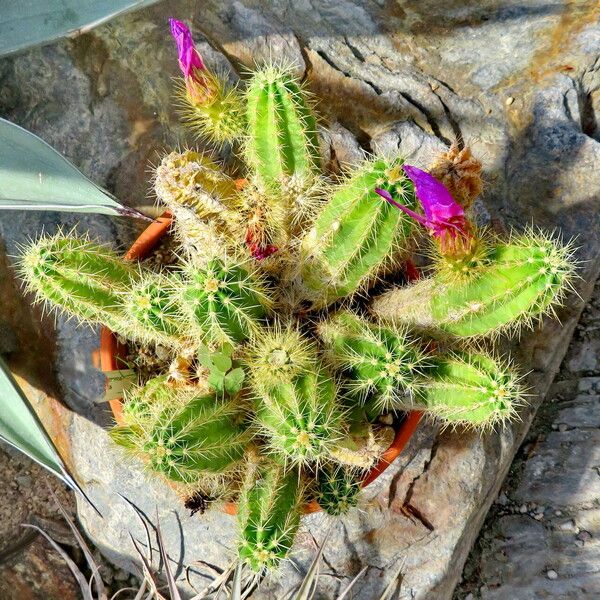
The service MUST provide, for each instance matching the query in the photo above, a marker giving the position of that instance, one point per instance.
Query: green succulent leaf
(204, 356)
(34, 22)
(221, 361)
(21, 428)
(34, 176)
(234, 380)
(216, 381)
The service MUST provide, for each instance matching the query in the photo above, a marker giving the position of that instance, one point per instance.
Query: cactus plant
(472, 389)
(301, 418)
(225, 302)
(252, 373)
(268, 515)
(191, 436)
(517, 282)
(337, 489)
(277, 355)
(282, 139)
(200, 197)
(90, 282)
(384, 364)
(356, 235)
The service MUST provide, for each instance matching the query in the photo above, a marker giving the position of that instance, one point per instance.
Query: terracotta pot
(111, 350)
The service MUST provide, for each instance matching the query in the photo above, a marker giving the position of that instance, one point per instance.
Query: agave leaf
(393, 584)
(236, 586)
(33, 22)
(309, 584)
(34, 176)
(21, 428)
(346, 592)
(173, 590)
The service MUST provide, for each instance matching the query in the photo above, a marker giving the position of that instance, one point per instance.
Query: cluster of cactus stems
(282, 364)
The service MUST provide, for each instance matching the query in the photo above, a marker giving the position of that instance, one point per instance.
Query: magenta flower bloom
(198, 81)
(444, 217)
(189, 58)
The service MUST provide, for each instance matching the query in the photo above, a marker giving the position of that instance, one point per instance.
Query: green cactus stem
(337, 489)
(145, 403)
(193, 436)
(282, 133)
(84, 279)
(225, 302)
(301, 419)
(278, 354)
(357, 235)
(520, 281)
(470, 389)
(152, 304)
(383, 364)
(268, 515)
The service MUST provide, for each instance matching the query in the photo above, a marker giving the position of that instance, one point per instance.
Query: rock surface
(542, 536)
(517, 81)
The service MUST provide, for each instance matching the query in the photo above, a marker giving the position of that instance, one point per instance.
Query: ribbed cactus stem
(282, 133)
(202, 199)
(471, 389)
(383, 364)
(153, 306)
(277, 355)
(357, 234)
(192, 179)
(192, 436)
(337, 489)
(268, 515)
(84, 279)
(145, 403)
(519, 281)
(225, 302)
(301, 419)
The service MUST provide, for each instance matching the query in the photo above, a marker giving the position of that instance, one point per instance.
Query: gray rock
(398, 79)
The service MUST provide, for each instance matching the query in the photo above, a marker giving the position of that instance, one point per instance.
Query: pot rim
(111, 350)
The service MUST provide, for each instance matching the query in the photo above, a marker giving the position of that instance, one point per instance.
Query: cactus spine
(277, 355)
(471, 389)
(356, 235)
(217, 112)
(156, 314)
(268, 515)
(383, 364)
(519, 281)
(192, 436)
(225, 302)
(301, 418)
(337, 490)
(82, 278)
(282, 133)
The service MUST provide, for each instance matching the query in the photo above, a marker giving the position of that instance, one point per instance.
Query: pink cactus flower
(257, 250)
(444, 217)
(197, 77)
